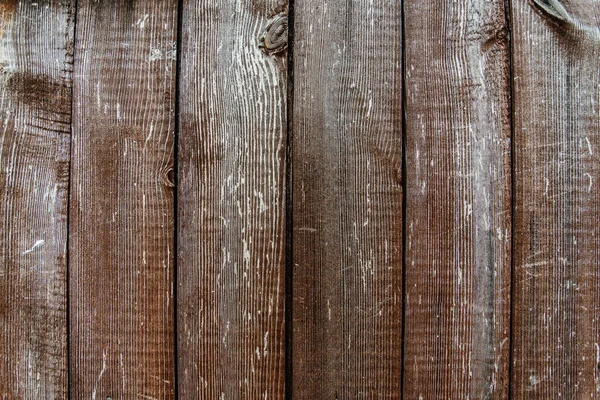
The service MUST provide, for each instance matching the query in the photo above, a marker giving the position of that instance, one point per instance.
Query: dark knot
(275, 37)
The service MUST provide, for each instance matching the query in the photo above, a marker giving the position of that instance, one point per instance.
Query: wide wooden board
(121, 228)
(458, 211)
(347, 200)
(556, 339)
(231, 202)
(36, 48)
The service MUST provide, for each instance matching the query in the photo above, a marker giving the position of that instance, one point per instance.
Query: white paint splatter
(533, 380)
(100, 375)
(262, 205)
(37, 244)
(142, 21)
(246, 253)
(589, 145)
(169, 54)
(266, 341)
(591, 181)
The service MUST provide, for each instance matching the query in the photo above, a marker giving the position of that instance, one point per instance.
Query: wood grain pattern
(231, 203)
(556, 351)
(36, 47)
(458, 200)
(347, 200)
(122, 212)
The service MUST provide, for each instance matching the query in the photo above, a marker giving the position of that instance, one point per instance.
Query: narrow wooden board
(347, 200)
(458, 211)
(36, 47)
(556, 339)
(122, 211)
(231, 203)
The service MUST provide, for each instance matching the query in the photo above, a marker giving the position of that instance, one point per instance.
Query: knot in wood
(553, 8)
(275, 37)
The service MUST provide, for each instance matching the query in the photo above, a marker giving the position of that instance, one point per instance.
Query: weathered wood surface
(36, 47)
(458, 231)
(122, 211)
(231, 203)
(353, 332)
(347, 200)
(556, 339)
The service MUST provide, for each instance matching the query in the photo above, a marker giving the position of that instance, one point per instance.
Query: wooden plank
(231, 202)
(347, 200)
(556, 55)
(122, 211)
(458, 200)
(36, 47)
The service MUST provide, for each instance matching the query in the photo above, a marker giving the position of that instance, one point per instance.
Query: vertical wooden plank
(36, 47)
(122, 211)
(556, 53)
(347, 200)
(231, 201)
(458, 200)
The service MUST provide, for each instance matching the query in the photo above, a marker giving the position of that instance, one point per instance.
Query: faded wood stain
(354, 183)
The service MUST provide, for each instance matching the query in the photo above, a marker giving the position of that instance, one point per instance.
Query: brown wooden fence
(263, 199)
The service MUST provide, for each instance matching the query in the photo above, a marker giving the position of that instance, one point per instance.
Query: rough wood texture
(556, 349)
(36, 47)
(347, 200)
(458, 200)
(122, 211)
(231, 203)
